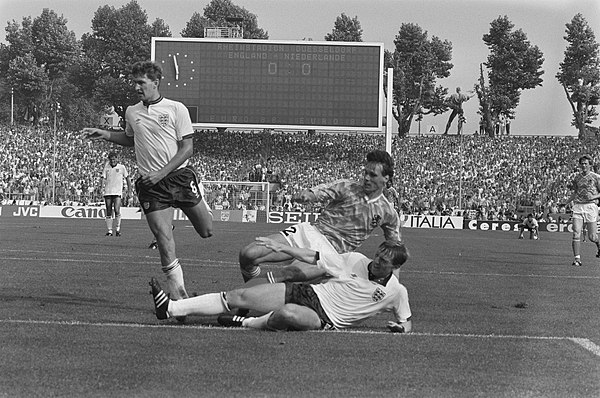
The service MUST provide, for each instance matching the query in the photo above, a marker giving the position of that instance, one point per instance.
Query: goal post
(238, 195)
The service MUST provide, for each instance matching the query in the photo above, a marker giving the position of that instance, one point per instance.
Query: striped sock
(251, 273)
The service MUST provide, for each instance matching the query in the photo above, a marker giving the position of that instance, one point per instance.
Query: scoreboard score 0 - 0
(274, 84)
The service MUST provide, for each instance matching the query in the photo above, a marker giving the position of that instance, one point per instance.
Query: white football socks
(174, 274)
(206, 304)
(259, 322)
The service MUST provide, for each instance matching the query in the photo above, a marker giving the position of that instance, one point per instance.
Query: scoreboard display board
(274, 84)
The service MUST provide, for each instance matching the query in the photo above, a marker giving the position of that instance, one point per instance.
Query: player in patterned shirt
(361, 289)
(352, 212)
(161, 131)
(586, 191)
(114, 175)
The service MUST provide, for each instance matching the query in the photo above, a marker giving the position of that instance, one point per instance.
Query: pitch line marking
(587, 344)
(220, 263)
(582, 342)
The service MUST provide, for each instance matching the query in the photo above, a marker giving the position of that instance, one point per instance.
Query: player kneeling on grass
(530, 224)
(363, 288)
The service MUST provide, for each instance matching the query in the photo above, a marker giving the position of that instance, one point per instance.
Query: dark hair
(112, 155)
(151, 70)
(387, 163)
(585, 157)
(395, 251)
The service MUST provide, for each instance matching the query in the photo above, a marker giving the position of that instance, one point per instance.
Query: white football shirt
(156, 129)
(114, 178)
(351, 297)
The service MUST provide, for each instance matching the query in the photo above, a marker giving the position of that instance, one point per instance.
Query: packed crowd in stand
(477, 176)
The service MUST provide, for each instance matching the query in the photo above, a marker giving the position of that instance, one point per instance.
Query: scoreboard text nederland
(274, 84)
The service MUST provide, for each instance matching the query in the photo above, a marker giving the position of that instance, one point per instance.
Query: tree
(36, 61)
(218, 13)
(513, 65)
(345, 29)
(55, 47)
(119, 38)
(20, 42)
(579, 73)
(417, 62)
(32, 82)
(160, 29)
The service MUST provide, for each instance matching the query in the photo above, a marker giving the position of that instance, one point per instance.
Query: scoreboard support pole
(388, 110)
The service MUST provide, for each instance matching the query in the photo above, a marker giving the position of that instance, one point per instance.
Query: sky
(542, 111)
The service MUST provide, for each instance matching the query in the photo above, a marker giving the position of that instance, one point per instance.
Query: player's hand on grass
(395, 327)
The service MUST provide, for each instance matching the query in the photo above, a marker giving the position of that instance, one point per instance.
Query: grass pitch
(493, 316)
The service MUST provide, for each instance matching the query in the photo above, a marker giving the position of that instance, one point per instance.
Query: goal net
(237, 195)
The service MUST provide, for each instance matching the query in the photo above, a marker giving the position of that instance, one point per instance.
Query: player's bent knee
(236, 298)
(249, 254)
(287, 317)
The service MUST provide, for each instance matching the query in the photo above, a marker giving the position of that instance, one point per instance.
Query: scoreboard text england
(274, 84)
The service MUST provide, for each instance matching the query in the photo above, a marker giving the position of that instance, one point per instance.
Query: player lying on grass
(361, 289)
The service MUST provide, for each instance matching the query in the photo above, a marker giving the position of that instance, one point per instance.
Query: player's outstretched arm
(305, 255)
(118, 137)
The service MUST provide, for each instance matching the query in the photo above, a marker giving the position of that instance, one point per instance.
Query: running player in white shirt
(162, 132)
(586, 192)
(353, 211)
(362, 289)
(114, 174)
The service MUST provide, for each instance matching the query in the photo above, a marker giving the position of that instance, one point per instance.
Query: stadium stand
(474, 176)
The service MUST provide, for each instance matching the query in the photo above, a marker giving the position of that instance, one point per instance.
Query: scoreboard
(274, 84)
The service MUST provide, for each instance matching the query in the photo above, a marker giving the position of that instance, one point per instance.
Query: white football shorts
(588, 212)
(306, 236)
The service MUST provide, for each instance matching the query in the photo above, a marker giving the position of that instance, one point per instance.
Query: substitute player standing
(162, 133)
(586, 191)
(113, 175)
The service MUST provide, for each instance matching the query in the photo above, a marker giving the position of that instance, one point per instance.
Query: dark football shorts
(178, 189)
(304, 295)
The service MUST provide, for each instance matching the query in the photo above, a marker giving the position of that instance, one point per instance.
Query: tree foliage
(119, 38)
(36, 61)
(513, 65)
(579, 72)
(417, 62)
(345, 29)
(160, 29)
(218, 14)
